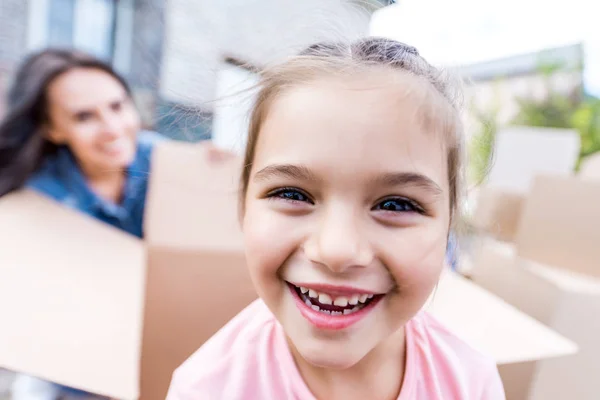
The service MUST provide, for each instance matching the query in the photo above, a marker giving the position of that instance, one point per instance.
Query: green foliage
(555, 110)
(481, 146)
(586, 119)
(560, 111)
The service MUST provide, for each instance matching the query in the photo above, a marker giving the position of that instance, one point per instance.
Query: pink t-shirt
(249, 359)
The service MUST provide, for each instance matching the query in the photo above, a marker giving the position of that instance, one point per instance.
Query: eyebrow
(410, 179)
(296, 172)
(120, 99)
(303, 173)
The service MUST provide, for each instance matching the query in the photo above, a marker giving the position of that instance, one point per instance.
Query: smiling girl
(350, 188)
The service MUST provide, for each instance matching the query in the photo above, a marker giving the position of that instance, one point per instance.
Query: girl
(350, 187)
(72, 132)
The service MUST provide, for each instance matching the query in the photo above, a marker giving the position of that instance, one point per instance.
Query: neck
(107, 184)
(378, 375)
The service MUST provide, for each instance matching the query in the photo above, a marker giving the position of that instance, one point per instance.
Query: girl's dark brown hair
(23, 145)
(440, 99)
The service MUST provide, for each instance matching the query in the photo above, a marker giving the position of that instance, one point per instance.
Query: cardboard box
(88, 306)
(590, 167)
(560, 224)
(523, 152)
(491, 325)
(498, 213)
(73, 290)
(563, 300)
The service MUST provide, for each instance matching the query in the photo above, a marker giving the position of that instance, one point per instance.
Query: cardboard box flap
(72, 289)
(558, 298)
(184, 193)
(564, 279)
(498, 212)
(590, 167)
(522, 152)
(491, 325)
(560, 224)
(559, 277)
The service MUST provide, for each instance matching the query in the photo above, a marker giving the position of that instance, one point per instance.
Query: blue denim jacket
(452, 251)
(61, 179)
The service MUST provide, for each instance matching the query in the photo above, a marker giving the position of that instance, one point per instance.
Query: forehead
(361, 124)
(84, 87)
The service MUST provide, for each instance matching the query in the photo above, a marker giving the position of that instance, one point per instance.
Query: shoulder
(457, 369)
(47, 180)
(227, 361)
(146, 140)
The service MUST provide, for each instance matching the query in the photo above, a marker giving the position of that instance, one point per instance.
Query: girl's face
(90, 111)
(347, 214)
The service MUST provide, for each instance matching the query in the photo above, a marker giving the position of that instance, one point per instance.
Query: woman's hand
(216, 154)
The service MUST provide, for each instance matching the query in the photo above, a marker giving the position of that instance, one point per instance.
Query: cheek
(269, 242)
(416, 262)
(132, 122)
(82, 137)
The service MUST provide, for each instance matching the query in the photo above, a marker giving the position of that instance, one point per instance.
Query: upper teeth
(341, 301)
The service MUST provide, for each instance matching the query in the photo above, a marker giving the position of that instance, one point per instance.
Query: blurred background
(525, 63)
(531, 70)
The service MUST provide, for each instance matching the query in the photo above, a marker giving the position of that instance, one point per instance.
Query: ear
(52, 135)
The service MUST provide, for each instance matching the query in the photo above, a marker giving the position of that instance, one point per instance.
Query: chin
(338, 354)
(119, 161)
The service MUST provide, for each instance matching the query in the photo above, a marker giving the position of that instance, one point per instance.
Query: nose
(340, 241)
(111, 125)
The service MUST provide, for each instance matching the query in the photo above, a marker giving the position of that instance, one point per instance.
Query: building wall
(146, 57)
(200, 33)
(503, 94)
(13, 31)
(497, 85)
(13, 36)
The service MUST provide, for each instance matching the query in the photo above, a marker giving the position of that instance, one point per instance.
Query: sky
(467, 31)
(460, 32)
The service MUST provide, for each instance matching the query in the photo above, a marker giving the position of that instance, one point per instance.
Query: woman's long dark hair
(23, 145)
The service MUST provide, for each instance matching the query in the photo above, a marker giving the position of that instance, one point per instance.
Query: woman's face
(346, 215)
(90, 112)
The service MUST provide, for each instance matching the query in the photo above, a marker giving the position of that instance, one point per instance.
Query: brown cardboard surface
(491, 325)
(498, 213)
(193, 200)
(560, 224)
(71, 291)
(563, 300)
(590, 167)
(186, 307)
(197, 278)
(94, 308)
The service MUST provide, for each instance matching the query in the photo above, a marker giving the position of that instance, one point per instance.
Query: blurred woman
(72, 132)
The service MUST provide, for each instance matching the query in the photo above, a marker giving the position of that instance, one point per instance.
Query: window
(88, 25)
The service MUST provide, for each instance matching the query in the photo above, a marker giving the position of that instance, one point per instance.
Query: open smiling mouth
(329, 311)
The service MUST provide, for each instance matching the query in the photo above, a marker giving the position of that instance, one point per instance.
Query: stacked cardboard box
(551, 271)
(88, 306)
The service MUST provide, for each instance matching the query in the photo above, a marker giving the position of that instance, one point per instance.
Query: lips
(116, 146)
(333, 308)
